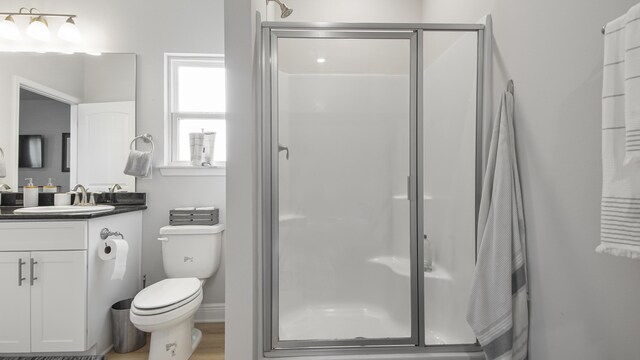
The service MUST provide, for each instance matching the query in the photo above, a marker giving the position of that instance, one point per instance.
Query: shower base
(344, 322)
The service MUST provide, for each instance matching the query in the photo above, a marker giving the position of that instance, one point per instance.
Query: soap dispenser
(30, 193)
(50, 188)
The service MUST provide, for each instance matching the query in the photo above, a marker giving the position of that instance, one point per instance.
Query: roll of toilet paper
(115, 249)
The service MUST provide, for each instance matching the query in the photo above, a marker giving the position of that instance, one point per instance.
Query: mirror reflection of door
(102, 150)
(42, 121)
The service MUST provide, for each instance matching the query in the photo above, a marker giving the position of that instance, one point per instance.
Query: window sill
(188, 170)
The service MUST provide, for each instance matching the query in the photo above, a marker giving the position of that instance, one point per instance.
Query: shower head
(284, 9)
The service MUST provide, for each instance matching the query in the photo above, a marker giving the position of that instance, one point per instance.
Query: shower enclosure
(371, 174)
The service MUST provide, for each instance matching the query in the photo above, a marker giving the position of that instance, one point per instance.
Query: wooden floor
(211, 347)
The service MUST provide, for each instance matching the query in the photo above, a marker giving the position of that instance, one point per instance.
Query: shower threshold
(346, 322)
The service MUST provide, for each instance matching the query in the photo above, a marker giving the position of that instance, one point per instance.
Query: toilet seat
(166, 301)
(160, 320)
(149, 312)
(167, 293)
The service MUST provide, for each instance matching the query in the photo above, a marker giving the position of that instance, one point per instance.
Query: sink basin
(65, 210)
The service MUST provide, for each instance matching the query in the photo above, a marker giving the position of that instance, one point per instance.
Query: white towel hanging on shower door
(498, 305)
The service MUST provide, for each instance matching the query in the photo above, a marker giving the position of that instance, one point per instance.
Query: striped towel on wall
(498, 306)
(620, 211)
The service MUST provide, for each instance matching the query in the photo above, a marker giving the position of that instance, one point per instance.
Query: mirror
(70, 117)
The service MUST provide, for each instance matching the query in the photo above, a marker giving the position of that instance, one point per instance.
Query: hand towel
(498, 305)
(620, 204)
(138, 163)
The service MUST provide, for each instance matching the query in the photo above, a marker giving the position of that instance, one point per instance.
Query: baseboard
(210, 313)
(108, 350)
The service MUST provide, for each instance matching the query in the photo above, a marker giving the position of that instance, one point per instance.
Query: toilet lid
(166, 292)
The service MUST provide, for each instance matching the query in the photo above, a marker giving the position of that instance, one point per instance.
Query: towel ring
(146, 138)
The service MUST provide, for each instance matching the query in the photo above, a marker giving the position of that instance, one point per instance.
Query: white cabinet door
(105, 131)
(14, 302)
(58, 301)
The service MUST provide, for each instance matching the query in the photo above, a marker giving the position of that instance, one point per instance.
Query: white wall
(349, 11)
(243, 91)
(109, 78)
(583, 305)
(150, 28)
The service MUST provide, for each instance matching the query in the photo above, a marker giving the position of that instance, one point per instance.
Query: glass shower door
(342, 184)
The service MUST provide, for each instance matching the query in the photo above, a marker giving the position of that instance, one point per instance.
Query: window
(195, 103)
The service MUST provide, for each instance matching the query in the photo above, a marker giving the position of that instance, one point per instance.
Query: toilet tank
(191, 250)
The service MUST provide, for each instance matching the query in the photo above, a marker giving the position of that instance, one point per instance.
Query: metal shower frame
(270, 33)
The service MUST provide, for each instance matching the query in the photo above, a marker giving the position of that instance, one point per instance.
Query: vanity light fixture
(38, 27)
(9, 29)
(69, 31)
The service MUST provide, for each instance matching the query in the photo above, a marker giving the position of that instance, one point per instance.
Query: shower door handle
(284, 148)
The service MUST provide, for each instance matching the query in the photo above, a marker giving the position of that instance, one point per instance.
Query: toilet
(190, 255)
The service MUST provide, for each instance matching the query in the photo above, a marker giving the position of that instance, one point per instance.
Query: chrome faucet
(115, 188)
(83, 192)
(4, 187)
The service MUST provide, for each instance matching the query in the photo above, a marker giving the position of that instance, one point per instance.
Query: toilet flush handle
(163, 239)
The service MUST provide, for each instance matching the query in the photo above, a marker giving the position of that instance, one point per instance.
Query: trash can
(126, 337)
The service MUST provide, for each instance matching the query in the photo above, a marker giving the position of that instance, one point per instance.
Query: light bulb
(69, 31)
(321, 60)
(9, 29)
(39, 29)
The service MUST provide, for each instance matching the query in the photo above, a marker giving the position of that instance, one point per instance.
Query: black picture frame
(66, 152)
(31, 151)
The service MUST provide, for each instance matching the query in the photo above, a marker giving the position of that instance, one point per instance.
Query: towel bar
(146, 138)
(105, 233)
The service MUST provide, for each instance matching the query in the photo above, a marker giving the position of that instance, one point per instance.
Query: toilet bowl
(166, 308)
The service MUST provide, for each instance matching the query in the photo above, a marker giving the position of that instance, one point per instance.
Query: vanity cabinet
(55, 292)
(58, 300)
(44, 274)
(47, 292)
(15, 303)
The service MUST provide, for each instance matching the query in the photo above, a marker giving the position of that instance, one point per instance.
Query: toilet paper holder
(105, 233)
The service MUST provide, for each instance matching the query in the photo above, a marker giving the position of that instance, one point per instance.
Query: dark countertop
(6, 213)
